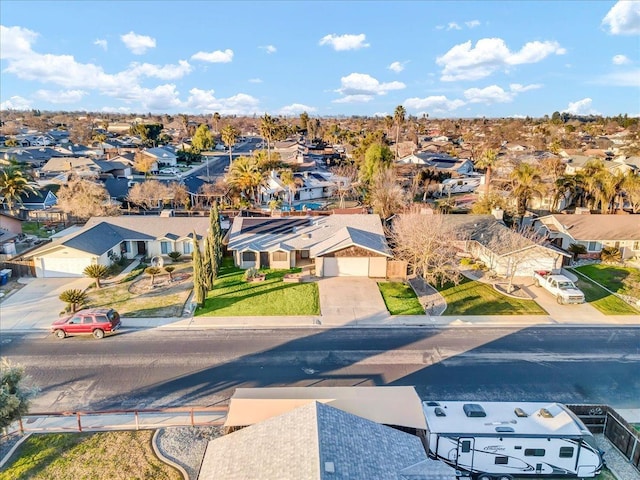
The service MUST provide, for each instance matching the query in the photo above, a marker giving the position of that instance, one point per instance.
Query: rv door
(465, 454)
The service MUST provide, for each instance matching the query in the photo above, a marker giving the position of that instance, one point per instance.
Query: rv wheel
(485, 477)
(505, 477)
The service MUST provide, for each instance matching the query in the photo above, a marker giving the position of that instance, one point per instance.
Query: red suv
(97, 321)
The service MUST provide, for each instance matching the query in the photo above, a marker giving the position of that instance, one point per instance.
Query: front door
(142, 248)
(465, 454)
(264, 259)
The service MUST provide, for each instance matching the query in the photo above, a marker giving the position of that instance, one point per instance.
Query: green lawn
(613, 277)
(400, 299)
(470, 297)
(604, 301)
(232, 296)
(98, 456)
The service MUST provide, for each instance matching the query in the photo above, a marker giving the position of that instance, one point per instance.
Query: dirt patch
(162, 284)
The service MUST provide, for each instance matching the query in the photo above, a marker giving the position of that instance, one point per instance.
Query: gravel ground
(186, 445)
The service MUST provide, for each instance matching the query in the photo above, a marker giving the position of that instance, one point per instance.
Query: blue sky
(445, 59)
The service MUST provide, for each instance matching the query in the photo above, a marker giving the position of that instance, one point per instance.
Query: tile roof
(307, 443)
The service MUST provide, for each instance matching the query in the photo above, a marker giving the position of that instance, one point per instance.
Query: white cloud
(629, 78)
(496, 94)
(396, 66)
(472, 23)
(205, 101)
(15, 41)
(101, 43)
(138, 44)
(437, 103)
(15, 103)
(115, 110)
(255, 80)
(453, 26)
(623, 18)
(219, 56)
(269, 48)
(296, 109)
(465, 62)
(164, 72)
(344, 42)
(488, 95)
(620, 59)
(581, 107)
(61, 96)
(354, 99)
(360, 87)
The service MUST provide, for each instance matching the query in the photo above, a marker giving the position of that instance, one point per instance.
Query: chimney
(498, 213)
(582, 211)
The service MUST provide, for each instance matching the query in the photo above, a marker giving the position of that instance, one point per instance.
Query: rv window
(433, 404)
(534, 452)
(502, 460)
(466, 446)
(566, 452)
(439, 412)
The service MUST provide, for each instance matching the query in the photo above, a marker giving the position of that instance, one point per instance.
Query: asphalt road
(150, 368)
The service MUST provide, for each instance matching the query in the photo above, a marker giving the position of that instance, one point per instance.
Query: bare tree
(387, 196)
(346, 178)
(149, 194)
(428, 244)
(83, 199)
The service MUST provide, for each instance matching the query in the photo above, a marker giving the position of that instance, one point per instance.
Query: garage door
(346, 266)
(64, 267)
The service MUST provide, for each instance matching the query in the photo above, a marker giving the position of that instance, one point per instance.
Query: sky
(450, 59)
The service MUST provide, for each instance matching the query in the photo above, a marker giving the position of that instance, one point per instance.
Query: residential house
(594, 232)
(312, 185)
(291, 151)
(10, 231)
(115, 168)
(42, 199)
(338, 245)
(34, 156)
(102, 239)
(503, 250)
(164, 156)
(80, 166)
(440, 162)
(317, 441)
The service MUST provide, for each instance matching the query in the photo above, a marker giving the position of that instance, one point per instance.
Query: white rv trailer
(458, 185)
(508, 440)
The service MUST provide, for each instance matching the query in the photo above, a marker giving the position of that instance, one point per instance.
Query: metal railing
(81, 421)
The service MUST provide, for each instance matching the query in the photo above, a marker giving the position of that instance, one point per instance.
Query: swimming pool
(300, 207)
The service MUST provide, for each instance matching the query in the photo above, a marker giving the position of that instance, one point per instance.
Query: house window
(594, 247)
(279, 256)
(502, 460)
(636, 245)
(124, 247)
(534, 452)
(187, 247)
(248, 256)
(566, 452)
(165, 247)
(304, 253)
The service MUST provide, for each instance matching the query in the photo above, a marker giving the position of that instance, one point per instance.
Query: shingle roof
(597, 227)
(324, 234)
(306, 442)
(102, 237)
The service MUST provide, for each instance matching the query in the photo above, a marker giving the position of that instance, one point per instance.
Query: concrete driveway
(36, 304)
(347, 300)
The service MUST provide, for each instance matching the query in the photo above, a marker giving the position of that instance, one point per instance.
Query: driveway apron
(349, 300)
(36, 305)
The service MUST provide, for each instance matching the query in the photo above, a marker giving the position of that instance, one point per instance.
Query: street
(152, 368)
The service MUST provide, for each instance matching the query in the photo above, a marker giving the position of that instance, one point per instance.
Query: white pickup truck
(560, 287)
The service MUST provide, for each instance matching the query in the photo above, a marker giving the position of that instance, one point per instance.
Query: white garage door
(346, 266)
(64, 267)
(527, 267)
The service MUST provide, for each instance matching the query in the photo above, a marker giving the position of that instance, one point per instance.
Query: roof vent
(520, 413)
(545, 413)
(306, 235)
(505, 429)
(433, 404)
(440, 412)
(329, 467)
(473, 410)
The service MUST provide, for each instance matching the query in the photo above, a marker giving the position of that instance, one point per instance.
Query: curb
(8, 456)
(164, 459)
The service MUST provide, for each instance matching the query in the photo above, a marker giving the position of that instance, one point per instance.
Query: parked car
(170, 171)
(95, 321)
(559, 286)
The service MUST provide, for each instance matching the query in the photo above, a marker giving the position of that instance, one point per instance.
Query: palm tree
(267, 130)
(631, 187)
(97, 272)
(398, 117)
(610, 187)
(73, 298)
(14, 184)
(291, 182)
(486, 162)
(566, 186)
(388, 124)
(245, 176)
(229, 136)
(216, 120)
(526, 183)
